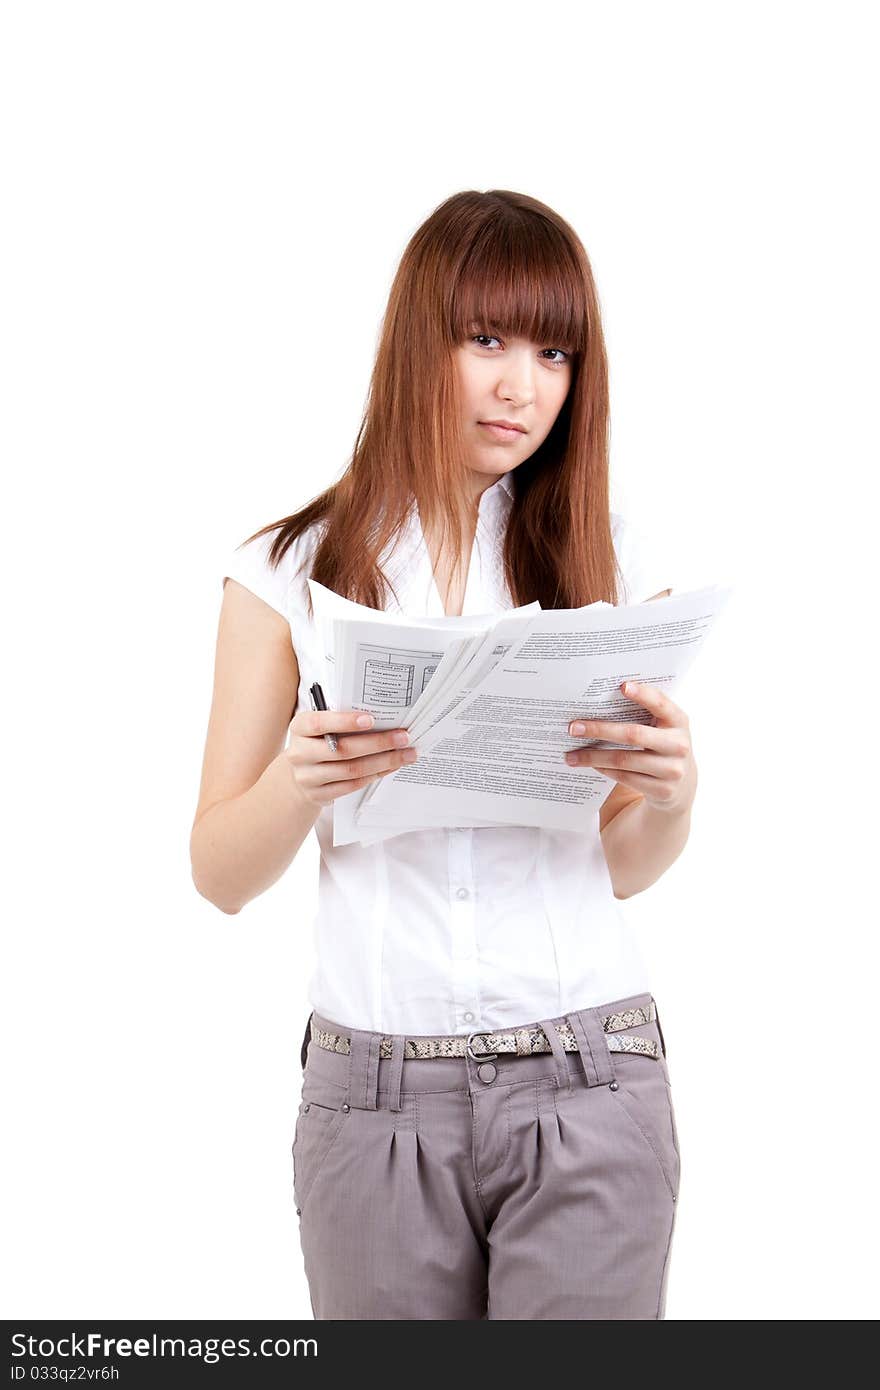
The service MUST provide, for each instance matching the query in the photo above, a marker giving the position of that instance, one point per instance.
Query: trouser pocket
(318, 1125)
(644, 1096)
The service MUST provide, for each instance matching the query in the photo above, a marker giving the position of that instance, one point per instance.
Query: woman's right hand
(361, 757)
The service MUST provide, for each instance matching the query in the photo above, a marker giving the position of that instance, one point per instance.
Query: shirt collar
(505, 483)
(408, 566)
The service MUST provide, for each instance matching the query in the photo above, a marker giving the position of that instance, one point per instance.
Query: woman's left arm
(648, 834)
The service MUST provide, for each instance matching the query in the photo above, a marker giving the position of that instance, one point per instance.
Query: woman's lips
(501, 431)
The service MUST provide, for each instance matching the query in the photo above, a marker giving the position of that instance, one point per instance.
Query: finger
(648, 786)
(612, 731)
(311, 723)
(312, 748)
(663, 743)
(666, 711)
(327, 792)
(610, 760)
(357, 745)
(347, 769)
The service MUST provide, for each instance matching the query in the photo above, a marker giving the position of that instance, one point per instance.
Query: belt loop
(304, 1050)
(586, 1024)
(363, 1070)
(551, 1029)
(659, 1029)
(395, 1071)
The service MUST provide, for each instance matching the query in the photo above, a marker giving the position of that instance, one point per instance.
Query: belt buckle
(482, 1056)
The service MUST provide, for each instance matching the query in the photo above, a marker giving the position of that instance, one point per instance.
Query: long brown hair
(511, 265)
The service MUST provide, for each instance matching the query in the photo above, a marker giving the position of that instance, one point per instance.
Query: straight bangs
(523, 282)
(505, 264)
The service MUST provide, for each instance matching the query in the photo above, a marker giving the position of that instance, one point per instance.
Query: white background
(205, 205)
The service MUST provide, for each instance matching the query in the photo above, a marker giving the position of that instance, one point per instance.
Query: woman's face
(510, 379)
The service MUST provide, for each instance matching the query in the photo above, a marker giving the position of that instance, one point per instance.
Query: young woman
(486, 1126)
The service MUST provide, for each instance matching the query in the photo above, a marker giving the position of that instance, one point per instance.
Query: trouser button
(487, 1071)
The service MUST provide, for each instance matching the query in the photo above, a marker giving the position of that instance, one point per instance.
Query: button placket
(462, 918)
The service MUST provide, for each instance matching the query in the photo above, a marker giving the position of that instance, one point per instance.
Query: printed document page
(384, 663)
(497, 751)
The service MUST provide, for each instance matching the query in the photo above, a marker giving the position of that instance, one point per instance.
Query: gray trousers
(528, 1187)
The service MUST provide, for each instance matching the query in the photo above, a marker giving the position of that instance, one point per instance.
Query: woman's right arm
(258, 800)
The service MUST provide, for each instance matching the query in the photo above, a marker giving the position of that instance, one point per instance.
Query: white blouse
(458, 930)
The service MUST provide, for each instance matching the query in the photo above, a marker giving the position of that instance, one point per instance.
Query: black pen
(318, 702)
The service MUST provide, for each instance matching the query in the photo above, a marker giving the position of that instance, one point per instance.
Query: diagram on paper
(392, 677)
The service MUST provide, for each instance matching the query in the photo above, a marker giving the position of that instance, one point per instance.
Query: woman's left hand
(665, 773)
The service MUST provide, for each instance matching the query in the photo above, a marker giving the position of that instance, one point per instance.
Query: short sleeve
(646, 571)
(285, 588)
(249, 564)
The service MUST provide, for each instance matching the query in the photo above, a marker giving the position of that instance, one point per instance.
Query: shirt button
(469, 1018)
(461, 893)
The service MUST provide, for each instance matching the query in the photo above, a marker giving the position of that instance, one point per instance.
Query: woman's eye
(483, 339)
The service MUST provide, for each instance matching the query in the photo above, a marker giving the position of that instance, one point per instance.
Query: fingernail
(410, 755)
(364, 721)
(401, 739)
(571, 758)
(578, 728)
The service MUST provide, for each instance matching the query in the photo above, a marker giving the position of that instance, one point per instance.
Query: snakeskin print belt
(520, 1041)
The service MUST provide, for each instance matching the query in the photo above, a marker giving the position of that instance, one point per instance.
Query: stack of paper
(488, 698)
